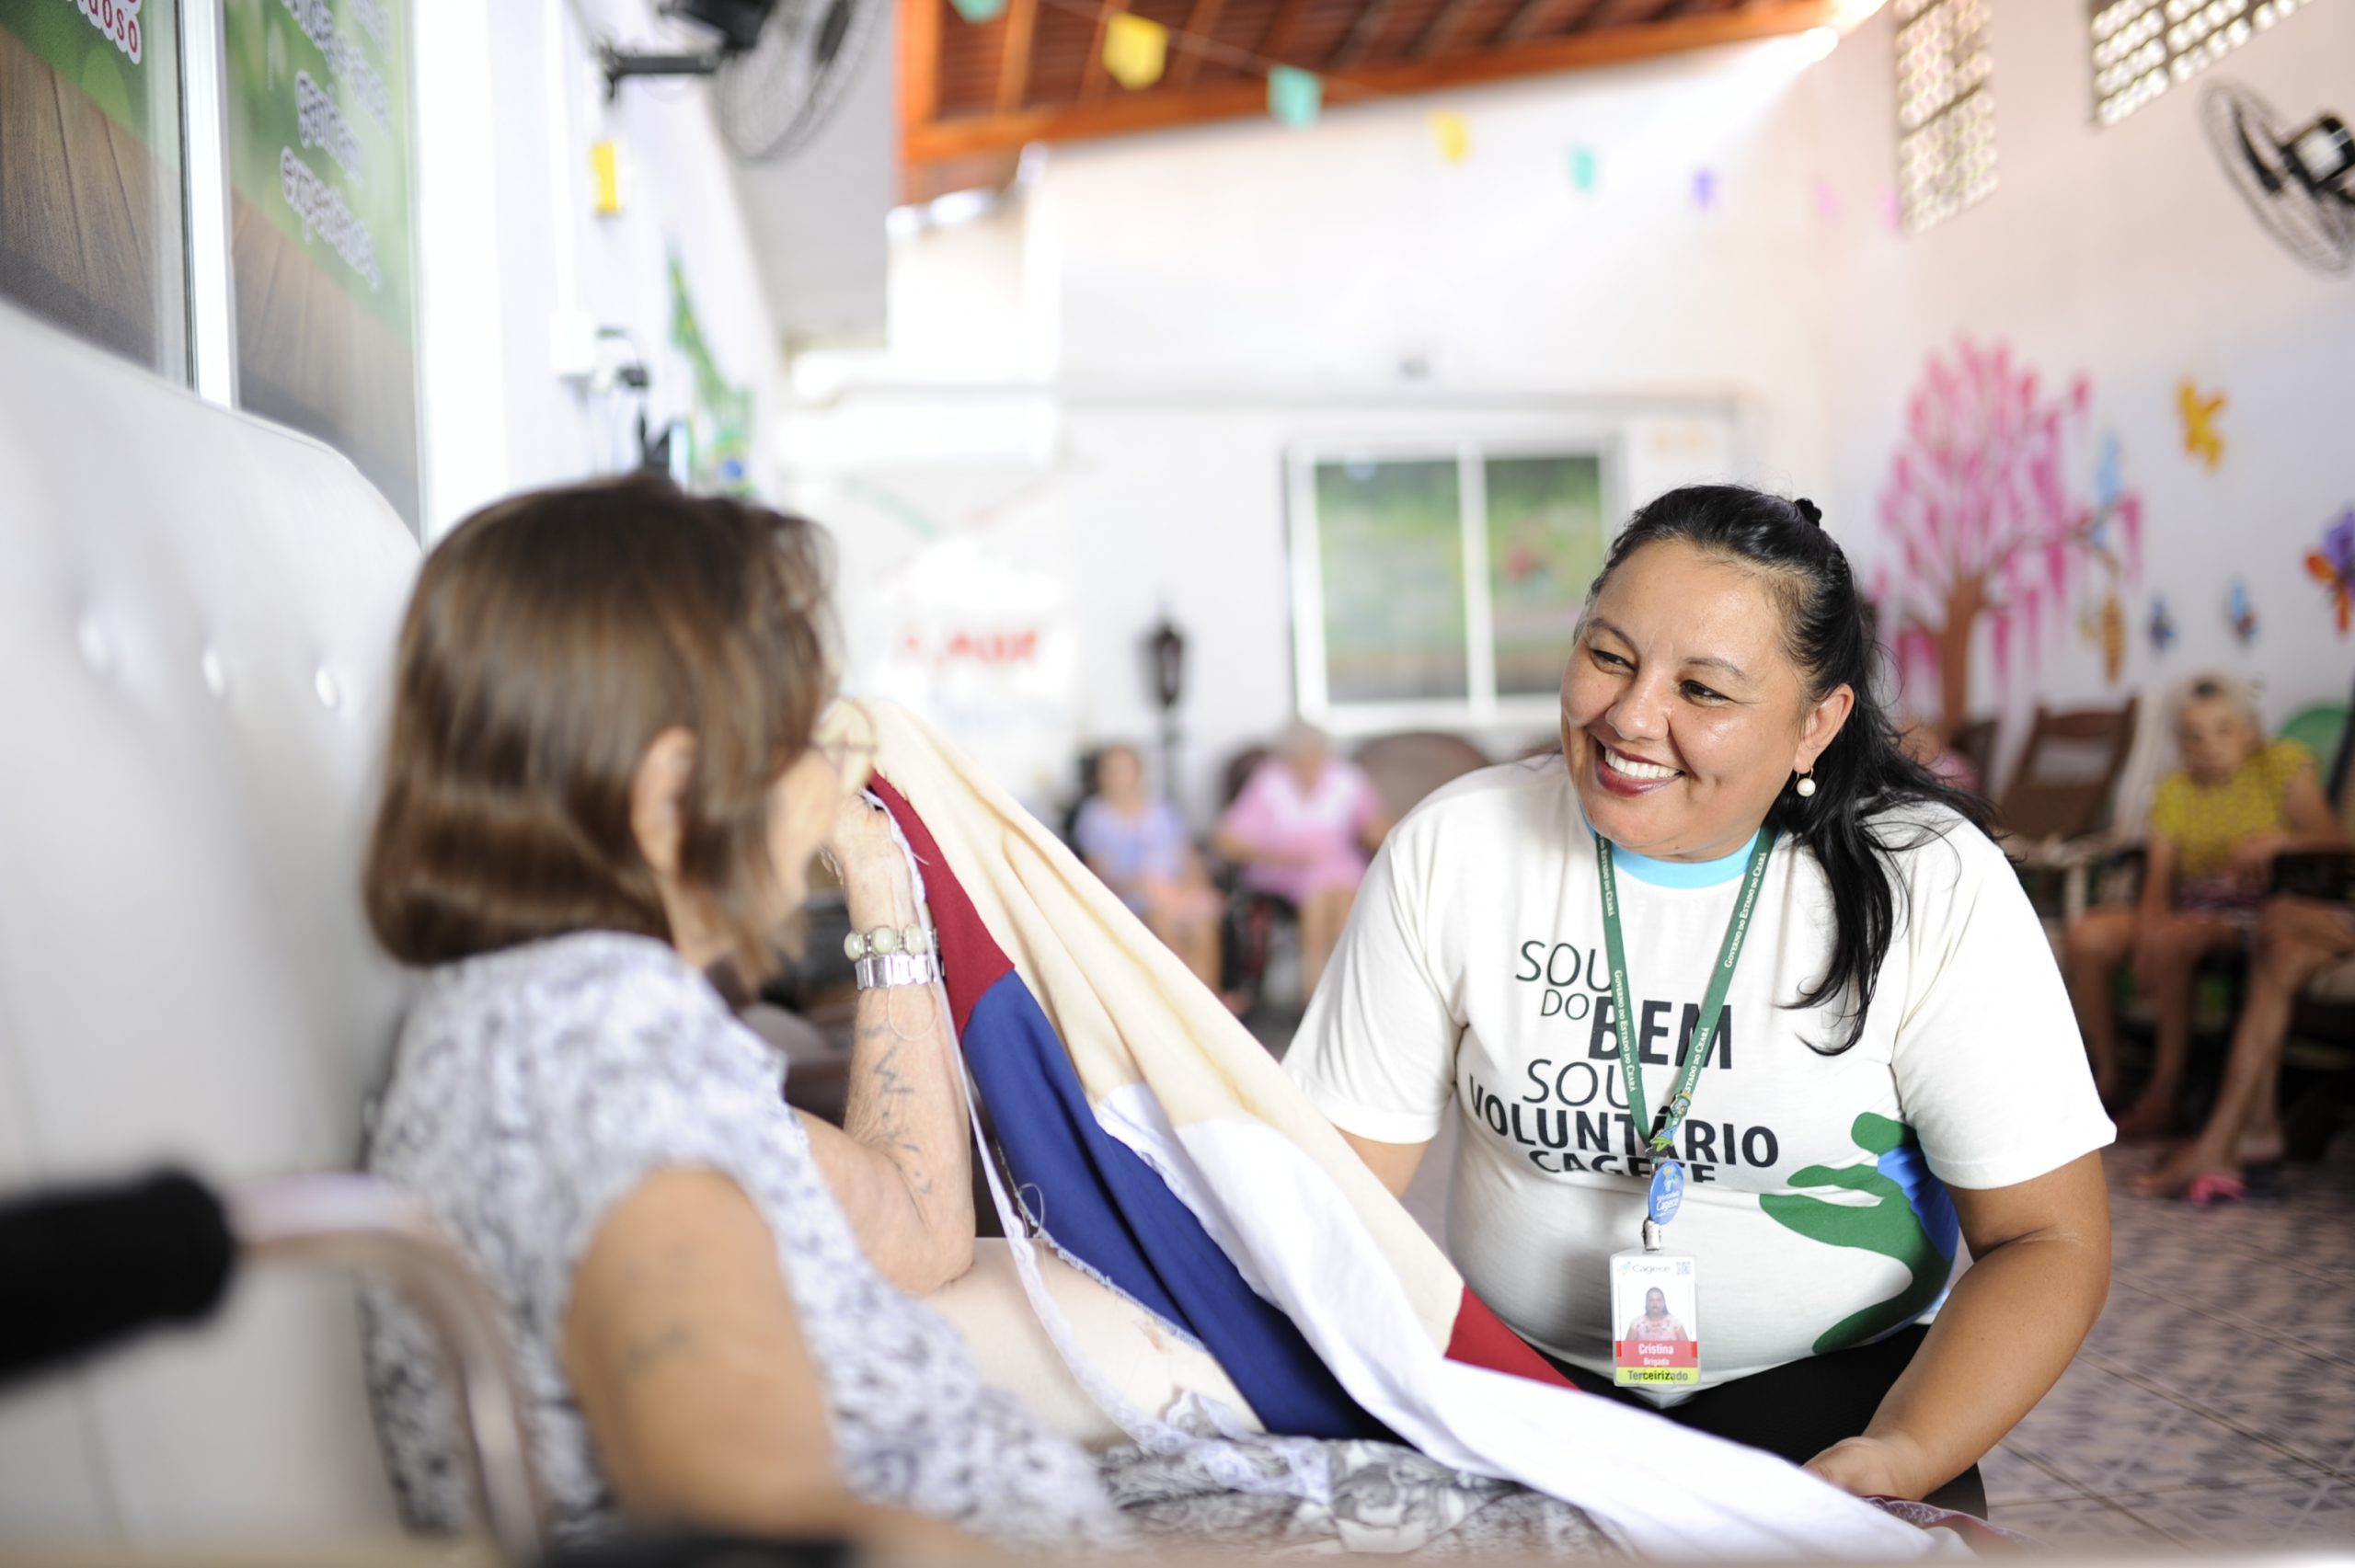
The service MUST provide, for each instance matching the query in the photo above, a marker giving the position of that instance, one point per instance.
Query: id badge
(1654, 1320)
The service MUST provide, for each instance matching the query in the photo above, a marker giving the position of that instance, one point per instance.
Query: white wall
(2121, 254)
(510, 251)
(1141, 333)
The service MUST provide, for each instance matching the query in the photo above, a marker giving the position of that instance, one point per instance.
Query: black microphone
(81, 1267)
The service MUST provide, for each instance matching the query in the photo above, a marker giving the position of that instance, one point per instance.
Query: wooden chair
(2064, 782)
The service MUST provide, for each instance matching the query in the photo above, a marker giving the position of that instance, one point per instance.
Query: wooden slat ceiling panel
(989, 94)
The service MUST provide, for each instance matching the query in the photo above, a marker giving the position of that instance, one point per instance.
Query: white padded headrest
(197, 617)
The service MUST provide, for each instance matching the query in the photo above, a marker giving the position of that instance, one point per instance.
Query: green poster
(91, 233)
(318, 133)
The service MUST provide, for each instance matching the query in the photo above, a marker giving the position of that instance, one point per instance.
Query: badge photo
(1655, 1317)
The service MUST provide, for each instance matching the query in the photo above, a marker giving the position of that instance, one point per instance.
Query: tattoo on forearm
(883, 1109)
(643, 1354)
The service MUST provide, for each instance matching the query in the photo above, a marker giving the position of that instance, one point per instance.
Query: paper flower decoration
(2332, 565)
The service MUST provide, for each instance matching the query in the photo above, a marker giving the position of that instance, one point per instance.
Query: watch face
(853, 947)
(883, 939)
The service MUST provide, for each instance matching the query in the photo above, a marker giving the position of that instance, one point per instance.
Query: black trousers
(1801, 1409)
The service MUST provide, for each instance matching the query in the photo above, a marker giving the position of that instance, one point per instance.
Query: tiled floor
(2213, 1405)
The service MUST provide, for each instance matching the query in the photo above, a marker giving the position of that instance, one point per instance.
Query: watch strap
(897, 970)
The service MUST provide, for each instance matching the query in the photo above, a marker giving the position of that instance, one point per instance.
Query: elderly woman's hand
(868, 861)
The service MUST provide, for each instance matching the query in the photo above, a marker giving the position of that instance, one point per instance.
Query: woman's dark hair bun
(1809, 511)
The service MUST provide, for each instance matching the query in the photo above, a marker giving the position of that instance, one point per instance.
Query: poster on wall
(92, 232)
(956, 599)
(320, 227)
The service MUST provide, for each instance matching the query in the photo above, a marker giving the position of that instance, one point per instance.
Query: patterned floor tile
(2109, 1435)
(2014, 1478)
(2286, 1514)
(2083, 1527)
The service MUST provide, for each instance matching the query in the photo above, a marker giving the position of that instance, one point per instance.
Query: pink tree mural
(1979, 504)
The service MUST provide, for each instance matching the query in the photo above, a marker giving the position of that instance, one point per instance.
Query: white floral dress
(531, 1090)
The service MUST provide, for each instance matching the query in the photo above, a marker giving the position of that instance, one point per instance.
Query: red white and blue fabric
(1153, 1141)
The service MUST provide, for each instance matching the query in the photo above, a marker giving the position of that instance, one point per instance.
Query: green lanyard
(1622, 1010)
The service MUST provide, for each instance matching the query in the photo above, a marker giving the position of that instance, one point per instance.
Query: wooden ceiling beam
(1537, 18)
(1202, 23)
(1434, 37)
(1094, 79)
(1131, 112)
(1013, 65)
(920, 62)
(1277, 40)
(1360, 36)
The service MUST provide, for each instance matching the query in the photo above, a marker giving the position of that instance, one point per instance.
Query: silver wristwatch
(897, 970)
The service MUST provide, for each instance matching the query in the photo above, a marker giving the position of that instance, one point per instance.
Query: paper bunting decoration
(1892, 210)
(978, 11)
(2201, 439)
(1582, 169)
(1705, 188)
(1452, 136)
(1294, 96)
(2332, 565)
(2240, 613)
(1827, 200)
(2162, 628)
(1136, 49)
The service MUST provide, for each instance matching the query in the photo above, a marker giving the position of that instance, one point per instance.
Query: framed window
(1438, 585)
(93, 228)
(2140, 47)
(1945, 109)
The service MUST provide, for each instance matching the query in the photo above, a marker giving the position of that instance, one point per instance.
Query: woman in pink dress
(1302, 828)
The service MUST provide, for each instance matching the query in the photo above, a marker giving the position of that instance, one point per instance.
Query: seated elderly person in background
(2216, 824)
(1302, 828)
(1138, 844)
(2296, 938)
(602, 782)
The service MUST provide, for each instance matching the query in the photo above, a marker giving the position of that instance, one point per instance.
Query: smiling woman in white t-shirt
(1893, 1074)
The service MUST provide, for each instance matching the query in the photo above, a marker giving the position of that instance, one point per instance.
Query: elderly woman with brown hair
(602, 782)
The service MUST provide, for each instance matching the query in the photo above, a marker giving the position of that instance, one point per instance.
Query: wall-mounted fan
(771, 99)
(2300, 182)
(777, 68)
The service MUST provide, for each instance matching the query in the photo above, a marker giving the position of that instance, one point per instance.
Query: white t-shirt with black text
(1472, 974)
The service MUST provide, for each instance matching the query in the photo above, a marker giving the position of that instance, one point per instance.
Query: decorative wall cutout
(2161, 626)
(2240, 613)
(2201, 439)
(2332, 565)
(1979, 501)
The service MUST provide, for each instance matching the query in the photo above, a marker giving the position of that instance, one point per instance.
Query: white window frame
(1481, 707)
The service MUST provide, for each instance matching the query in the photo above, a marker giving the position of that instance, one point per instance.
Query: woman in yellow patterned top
(2216, 824)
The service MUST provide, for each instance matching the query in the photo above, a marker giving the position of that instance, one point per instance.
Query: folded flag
(1154, 1142)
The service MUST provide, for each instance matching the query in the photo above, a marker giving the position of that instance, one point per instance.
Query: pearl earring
(1807, 786)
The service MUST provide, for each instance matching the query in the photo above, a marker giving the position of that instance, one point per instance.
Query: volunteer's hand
(1872, 1467)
